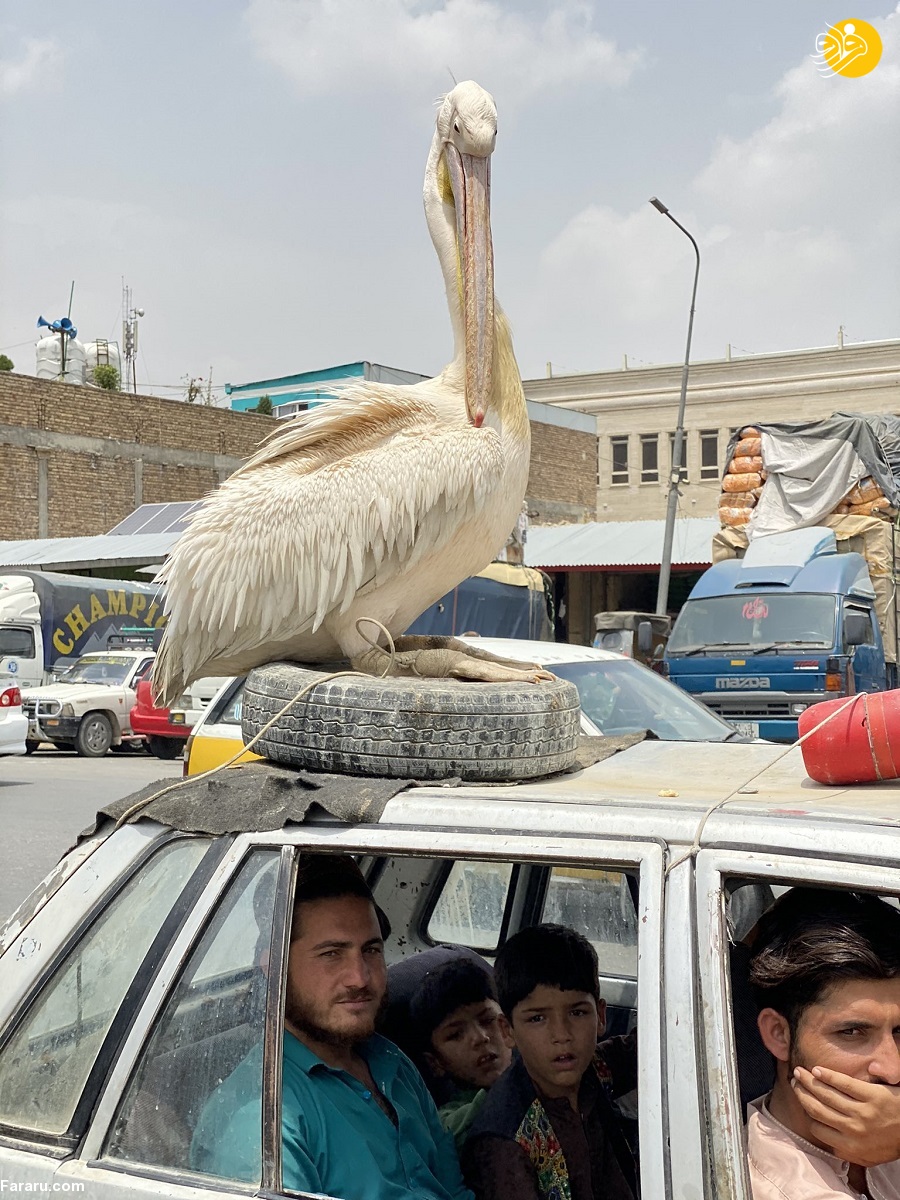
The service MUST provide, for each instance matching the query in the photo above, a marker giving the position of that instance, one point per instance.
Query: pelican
(371, 507)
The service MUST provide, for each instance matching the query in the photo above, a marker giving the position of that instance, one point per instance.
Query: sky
(253, 170)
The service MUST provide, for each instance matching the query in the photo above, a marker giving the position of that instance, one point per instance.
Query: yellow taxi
(217, 735)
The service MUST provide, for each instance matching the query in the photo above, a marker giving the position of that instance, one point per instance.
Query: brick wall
(562, 481)
(76, 460)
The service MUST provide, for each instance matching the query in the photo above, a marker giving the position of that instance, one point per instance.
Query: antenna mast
(130, 334)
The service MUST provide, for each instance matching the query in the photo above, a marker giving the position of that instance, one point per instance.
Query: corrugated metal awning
(606, 545)
(83, 553)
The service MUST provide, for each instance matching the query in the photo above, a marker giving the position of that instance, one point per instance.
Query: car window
(193, 1102)
(599, 903)
(470, 905)
(623, 696)
(46, 1062)
(16, 643)
(227, 711)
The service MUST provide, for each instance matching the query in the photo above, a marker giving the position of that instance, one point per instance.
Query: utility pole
(665, 566)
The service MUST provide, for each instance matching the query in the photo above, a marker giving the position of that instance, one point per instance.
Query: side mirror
(857, 628)
(645, 637)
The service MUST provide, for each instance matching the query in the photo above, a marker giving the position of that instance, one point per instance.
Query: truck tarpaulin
(811, 465)
(876, 540)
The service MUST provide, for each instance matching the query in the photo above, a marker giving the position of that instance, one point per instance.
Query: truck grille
(29, 707)
(751, 708)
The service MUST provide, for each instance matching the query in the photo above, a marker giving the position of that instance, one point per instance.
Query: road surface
(47, 798)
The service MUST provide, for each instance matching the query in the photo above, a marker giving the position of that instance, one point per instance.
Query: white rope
(172, 787)
(695, 845)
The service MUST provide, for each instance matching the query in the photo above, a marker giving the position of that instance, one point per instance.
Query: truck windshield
(110, 669)
(756, 621)
(622, 696)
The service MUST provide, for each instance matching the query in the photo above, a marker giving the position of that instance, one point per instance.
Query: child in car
(548, 1128)
(451, 1025)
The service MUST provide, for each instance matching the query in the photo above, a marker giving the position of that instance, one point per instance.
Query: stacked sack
(865, 499)
(744, 479)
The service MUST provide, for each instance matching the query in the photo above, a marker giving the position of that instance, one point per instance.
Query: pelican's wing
(348, 497)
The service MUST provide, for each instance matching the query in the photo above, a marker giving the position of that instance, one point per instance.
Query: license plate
(747, 728)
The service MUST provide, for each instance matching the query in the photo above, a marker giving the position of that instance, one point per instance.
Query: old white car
(89, 708)
(131, 981)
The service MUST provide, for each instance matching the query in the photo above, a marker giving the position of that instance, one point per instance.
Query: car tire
(163, 747)
(95, 735)
(413, 728)
(31, 745)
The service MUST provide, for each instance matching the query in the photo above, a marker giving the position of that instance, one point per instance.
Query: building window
(709, 454)
(649, 458)
(683, 473)
(619, 447)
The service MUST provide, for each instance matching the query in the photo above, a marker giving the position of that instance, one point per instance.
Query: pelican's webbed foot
(447, 657)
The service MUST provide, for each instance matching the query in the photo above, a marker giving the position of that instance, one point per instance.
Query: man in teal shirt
(357, 1121)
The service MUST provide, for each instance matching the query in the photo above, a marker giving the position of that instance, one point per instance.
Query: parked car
(131, 982)
(88, 710)
(618, 695)
(167, 730)
(13, 722)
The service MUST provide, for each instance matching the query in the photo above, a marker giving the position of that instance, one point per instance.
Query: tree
(6, 363)
(264, 406)
(193, 387)
(106, 376)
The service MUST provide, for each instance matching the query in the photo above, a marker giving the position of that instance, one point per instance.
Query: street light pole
(665, 566)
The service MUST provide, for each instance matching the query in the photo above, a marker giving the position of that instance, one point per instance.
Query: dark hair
(545, 954)
(813, 938)
(455, 983)
(327, 877)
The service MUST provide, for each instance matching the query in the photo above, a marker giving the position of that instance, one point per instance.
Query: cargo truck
(47, 620)
(801, 616)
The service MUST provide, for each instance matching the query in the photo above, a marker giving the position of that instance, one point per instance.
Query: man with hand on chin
(859, 1120)
(825, 966)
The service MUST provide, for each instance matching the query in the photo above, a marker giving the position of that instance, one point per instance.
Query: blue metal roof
(838, 573)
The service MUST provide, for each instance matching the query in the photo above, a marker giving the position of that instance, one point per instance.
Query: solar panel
(158, 518)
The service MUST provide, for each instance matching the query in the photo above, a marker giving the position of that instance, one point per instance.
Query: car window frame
(643, 856)
(714, 868)
(65, 1142)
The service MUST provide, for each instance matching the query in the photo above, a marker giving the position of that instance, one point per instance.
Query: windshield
(111, 669)
(756, 621)
(622, 696)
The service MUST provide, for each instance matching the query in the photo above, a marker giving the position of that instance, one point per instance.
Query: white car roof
(543, 652)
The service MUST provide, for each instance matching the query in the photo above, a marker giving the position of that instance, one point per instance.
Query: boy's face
(472, 1045)
(556, 1033)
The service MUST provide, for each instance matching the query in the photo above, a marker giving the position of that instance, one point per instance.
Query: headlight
(67, 710)
(185, 700)
(797, 709)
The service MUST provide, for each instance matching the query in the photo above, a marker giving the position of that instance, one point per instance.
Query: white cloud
(798, 229)
(38, 60)
(338, 46)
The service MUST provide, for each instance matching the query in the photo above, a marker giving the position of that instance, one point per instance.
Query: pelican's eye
(456, 126)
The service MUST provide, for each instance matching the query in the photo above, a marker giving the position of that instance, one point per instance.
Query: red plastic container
(860, 745)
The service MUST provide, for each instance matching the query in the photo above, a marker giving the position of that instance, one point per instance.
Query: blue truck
(799, 618)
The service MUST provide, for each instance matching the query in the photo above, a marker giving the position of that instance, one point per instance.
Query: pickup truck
(89, 709)
(152, 961)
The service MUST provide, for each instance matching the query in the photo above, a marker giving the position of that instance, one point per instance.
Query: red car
(165, 738)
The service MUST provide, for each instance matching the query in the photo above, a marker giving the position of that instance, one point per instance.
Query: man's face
(556, 1033)
(854, 1028)
(472, 1045)
(337, 981)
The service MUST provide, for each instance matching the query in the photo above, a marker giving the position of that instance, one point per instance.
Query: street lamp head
(658, 205)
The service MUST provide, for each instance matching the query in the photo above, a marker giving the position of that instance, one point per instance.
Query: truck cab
(763, 637)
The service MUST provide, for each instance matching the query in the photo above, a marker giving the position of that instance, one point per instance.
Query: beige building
(636, 411)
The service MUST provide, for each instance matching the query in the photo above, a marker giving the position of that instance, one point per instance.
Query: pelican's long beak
(470, 178)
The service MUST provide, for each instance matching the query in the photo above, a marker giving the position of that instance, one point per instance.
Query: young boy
(548, 1130)
(455, 1032)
